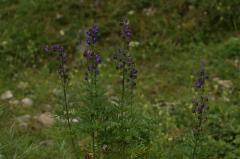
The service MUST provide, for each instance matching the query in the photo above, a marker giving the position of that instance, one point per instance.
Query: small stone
(149, 11)
(46, 143)
(131, 12)
(47, 107)
(61, 32)
(134, 44)
(22, 85)
(27, 102)
(224, 83)
(59, 16)
(74, 120)
(23, 121)
(56, 92)
(46, 119)
(7, 95)
(23, 125)
(23, 118)
(104, 148)
(14, 102)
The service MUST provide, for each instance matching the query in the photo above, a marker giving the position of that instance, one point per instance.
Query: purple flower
(92, 35)
(98, 58)
(125, 63)
(126, 31)
(93, 58)
(200, 103)
(199, 83)
(133, 73)
(202, 77)
(62, 58)
(120, 65)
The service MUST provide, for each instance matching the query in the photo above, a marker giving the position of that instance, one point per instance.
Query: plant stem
(195, 147)
(123, 92)
(93, 144)
(94, 131)
(68, 117)
(122, 110)
(196, 137)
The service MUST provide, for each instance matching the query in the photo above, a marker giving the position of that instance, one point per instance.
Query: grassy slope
(170, 50)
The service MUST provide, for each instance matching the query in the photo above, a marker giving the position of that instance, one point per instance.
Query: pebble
(56, 92)
(14, 102)
(45, 119)
(224, 83)
(27, 102)
(24, 118)
(23, 121)
(46, 143)
(7, 95)
(22, 85)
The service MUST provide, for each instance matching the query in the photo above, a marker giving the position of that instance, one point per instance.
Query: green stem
(195, 147)
(93, 145)
(68, 117)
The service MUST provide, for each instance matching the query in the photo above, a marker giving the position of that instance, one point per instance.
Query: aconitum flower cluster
(93, 57)
(124, 62)
(200, 103)
(126, 31)
(122, 58)
(62, 57)
(92, 35)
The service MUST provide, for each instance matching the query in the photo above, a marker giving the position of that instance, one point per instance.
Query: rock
(23, 121)
(14, 102)
(149, 11)
(27, 102)
(105, 148)
(7, 95)
(45, 119)
(23, 118)
(224, 83)
(131, 12)
(134, 44)
(46, 143)
(74, 120)
(23, 125)
(47, 107)
(57, 92)
(22, 85)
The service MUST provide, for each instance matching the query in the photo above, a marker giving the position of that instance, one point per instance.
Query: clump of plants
(113, 129)
(200, 111)
(108, 128)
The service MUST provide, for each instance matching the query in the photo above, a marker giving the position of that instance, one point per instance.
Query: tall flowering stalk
(128, 73)
(126, 66)
(64, 76)
(200, 107)
(93, 59)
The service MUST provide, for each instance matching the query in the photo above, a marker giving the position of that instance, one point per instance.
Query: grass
(167, 58)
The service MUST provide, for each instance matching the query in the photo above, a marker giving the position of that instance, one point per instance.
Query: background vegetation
(170, 37)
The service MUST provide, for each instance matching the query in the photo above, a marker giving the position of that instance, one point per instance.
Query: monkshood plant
(92, 104)
(95, 111)
(109, 130)
(133, 133)
(200, 108)
(64, 77)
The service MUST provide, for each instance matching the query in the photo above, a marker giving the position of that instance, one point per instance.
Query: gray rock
(23, 118)
(23, 121)
(27, 102)
(7, 95)
(57, 92)
(45, 119)
(46, 143)
(14, 102)
(22, 85)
